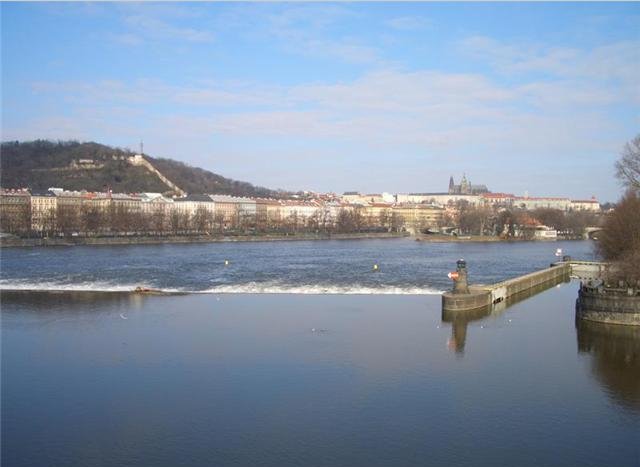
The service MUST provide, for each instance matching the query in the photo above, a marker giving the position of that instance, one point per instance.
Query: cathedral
(465, 187)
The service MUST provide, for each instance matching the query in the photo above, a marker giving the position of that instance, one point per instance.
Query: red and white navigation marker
(453, 275)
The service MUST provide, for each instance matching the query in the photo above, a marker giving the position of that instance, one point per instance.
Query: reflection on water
(46, 301)
(615, 359)
(25, 309)
(460, 319)
(130, 380)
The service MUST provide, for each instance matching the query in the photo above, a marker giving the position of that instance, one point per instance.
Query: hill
(91, 166)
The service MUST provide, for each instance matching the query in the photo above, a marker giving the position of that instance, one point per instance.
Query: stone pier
(595, 302)
(484, 296)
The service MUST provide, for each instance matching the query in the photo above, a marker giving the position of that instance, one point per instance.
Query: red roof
(498, 195)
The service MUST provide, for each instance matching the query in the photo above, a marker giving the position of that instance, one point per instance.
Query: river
(337, 366)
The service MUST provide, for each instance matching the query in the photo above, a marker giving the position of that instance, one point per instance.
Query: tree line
(514, 222)
(41, 164)
(122, 220)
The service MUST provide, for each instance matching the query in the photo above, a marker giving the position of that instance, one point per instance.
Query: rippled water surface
(341, 266)
(120, 379)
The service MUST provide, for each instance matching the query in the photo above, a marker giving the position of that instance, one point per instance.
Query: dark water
(405, 266)
(116, 379)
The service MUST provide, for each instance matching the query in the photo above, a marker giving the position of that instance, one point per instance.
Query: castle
(465, 187)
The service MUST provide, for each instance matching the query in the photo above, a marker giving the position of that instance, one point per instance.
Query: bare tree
(620, 239)
(344, 222)
(16, 220)
(205, 220)
(175, 221)
(396, 221)
(359, 222)
(384, 219)
(49, 223)
(158, 220)
(92, 219)
(628, 167)
(506, 224)
(219, 220)
(67, 219)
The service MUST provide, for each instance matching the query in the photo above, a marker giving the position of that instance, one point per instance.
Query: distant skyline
(371, 97)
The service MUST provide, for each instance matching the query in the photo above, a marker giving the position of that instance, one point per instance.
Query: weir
(481, 296)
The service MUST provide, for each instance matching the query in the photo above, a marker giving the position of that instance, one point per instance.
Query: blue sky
(337, 96)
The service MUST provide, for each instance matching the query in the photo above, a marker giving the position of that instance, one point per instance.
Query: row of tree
(514, 222)
(120, 220)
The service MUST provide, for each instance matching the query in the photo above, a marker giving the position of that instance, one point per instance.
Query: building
(497, 199)
(268, 213)
(332, 210)
(437, 199)
(44, 206)
(585, 205)
(299, 213)
(542, 232)
(465, 187)
(418, 217)
(15, 210)
(233, 211)
(377, 214)
(191, 205)
(529, 203)
(125, 202)
(357, 198)
(247, 211)
(225, 210)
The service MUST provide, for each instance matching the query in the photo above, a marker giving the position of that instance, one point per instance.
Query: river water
(367, 373)
(340, 266)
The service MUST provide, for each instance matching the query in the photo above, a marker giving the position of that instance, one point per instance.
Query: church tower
(452, 186)
(464, 185)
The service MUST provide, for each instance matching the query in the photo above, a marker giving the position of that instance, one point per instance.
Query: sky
(372, 97)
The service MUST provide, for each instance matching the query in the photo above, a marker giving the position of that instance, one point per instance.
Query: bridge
(586, 270)
(592, 232)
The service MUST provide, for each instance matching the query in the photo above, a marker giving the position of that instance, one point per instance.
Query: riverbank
(436, 238)
(466, 238)
(147, 240)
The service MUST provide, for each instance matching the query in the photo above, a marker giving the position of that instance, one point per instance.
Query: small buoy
(226, 262)
(375, 267)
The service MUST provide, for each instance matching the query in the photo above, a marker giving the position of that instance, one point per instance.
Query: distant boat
(559, 252)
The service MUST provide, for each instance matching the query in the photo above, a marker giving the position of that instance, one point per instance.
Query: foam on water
(88, 286)
(248, 288)
(310, 289)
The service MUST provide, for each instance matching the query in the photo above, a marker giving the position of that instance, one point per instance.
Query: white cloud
(438, 116)
(160, 29)
(428, 109)
(611, 66)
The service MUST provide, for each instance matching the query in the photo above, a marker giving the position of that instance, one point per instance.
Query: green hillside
(74, 166)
